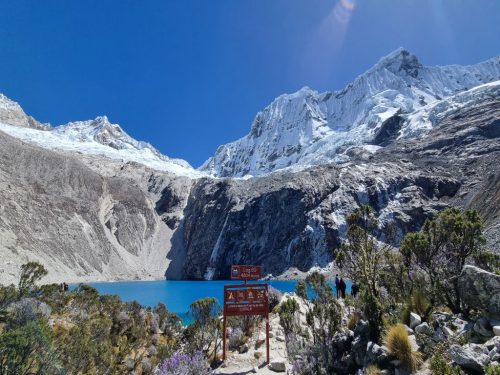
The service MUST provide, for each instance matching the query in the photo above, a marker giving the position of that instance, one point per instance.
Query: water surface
(177, 295)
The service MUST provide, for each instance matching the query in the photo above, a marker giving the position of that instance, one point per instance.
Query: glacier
(308, 128)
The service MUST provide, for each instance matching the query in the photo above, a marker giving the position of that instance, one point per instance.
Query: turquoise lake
(177, 295)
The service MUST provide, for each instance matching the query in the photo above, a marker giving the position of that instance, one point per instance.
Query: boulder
(447, 331)
(480, 289)
(470, 356)
(413, 342)
(409, 330)
(146, 365)
(415, 320)
(496, 330)
(494, 355)
(362, 329)
(483, 327)
(243, 348)
(441, 334)
(152, 351)
(28, 309)
(376, 353)
(493, 343)
(278, 364)
(424, 329)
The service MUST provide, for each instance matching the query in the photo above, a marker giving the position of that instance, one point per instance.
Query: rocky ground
(472, 342)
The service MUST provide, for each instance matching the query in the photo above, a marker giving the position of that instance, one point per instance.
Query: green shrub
(31, 273)
(287, 312)
(8, 294)
(440, 366)
(27, 350)
(399, 345)
(492, 370)
(420, 304)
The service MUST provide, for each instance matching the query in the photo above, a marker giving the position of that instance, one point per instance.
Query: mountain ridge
(91, 203)
(286, 133)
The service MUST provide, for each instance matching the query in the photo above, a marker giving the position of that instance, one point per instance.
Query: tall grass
(399, 345)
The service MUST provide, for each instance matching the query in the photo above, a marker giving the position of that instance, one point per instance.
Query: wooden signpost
(246, 299)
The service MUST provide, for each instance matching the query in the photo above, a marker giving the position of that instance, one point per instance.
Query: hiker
(337, 285)
(354, 289)
(342, 286)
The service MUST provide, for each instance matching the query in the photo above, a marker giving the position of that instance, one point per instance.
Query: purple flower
(184, 364)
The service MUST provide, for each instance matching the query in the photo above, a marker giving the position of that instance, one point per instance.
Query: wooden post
(224, 337)
(267, 337)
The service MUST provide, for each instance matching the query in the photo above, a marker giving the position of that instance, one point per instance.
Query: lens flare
(343, 10)
(327, 40)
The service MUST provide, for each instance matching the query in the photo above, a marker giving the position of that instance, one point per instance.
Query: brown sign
(246, 272)
(246, 299)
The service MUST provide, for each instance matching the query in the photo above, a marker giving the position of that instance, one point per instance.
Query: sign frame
(243, 300)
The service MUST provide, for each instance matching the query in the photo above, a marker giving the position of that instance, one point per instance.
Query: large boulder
(471, 356)
(480, 289)
(424, 329)
(278, 364)
(415, 320)
(27, 309)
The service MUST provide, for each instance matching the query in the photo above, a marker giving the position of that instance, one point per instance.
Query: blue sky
(189, 75)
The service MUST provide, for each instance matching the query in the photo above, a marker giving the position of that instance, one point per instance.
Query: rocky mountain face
(92, 203)
(308, 128)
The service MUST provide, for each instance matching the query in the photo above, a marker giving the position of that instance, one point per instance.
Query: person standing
(343, 287)
(337, 285)
(354, 289)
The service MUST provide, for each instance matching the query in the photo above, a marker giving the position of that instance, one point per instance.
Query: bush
(184, 364)
(31, 273)
(287, 314)
(492, 370)
(397, 342)
(440, 366)
(8, 294)
(420, 304)
(27, 350)
(236, 338)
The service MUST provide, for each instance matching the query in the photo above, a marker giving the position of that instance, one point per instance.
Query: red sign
(246, 299)
(246, 272)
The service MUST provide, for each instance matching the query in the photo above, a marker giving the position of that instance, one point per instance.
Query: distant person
(337, 285)
(342, 287)
(354, 289)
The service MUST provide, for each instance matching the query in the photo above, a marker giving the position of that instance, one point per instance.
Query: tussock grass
(353, 320)
(373, 370)
(399, 345)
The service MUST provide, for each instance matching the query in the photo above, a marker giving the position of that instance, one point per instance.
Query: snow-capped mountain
(95, 137)
(310, 128)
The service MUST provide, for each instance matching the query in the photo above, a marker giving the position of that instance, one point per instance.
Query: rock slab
(480, 289)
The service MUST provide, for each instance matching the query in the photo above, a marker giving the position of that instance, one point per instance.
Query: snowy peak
(12, 113)
(401, 61)
(310, 128)
(95, 137)
(102, 131)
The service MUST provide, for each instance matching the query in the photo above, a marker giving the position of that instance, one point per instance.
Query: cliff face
(295, 219)
(82, 223)
(91, 218)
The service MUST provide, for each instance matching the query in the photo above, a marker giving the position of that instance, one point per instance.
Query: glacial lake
(177, 295)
